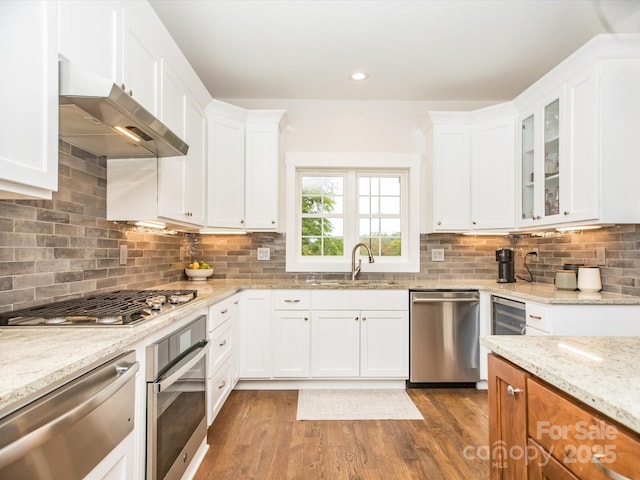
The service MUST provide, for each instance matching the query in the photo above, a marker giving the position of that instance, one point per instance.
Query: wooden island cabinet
(537, 432)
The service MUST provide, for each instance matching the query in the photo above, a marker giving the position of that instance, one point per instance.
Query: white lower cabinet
(118, 464)
(366, 343)
(222, 361)
(256, 340)
(291, 343)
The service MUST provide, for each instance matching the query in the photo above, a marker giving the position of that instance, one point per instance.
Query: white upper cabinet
(89, 35)
(578, 143)
(225, 174)
(262, 159)
(29, 99)
(470, 170)
(243, 167)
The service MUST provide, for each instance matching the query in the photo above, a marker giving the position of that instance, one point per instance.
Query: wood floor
(257, 436)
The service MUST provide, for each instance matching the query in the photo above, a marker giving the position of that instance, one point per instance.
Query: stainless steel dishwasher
(444, 331)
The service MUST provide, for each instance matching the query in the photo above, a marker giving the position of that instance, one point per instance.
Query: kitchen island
(571, 403)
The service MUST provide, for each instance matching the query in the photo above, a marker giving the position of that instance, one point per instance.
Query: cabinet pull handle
(123, 87)
(306, 319)
(439, 223)
(222, 312)
(241, 221)
(236, 302)
(222, 385)
(224, 342)
(293, 300)
(535, 317)
(513, 391)
(357, 318)
(607, 471)
(273, 222)
(566, 212)
(364, 319)
(474, 222)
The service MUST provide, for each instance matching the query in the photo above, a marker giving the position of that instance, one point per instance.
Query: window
(335, 201)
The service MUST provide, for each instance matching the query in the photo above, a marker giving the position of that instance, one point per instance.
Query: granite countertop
(604, 376)
(33, 359)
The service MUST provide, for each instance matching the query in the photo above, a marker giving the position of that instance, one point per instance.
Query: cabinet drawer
(538, 317)
(292, 300)
(220, 313)
(574, 435)
(218, 389)
(221, 345)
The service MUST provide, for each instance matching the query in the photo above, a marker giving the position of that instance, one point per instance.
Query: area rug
(392, 404)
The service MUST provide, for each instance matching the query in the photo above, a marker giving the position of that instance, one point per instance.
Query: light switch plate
(264, 253)
(123, 254)
(437, 254)
(601, 257)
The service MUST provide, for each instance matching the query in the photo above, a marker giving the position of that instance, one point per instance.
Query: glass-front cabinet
(540, 151)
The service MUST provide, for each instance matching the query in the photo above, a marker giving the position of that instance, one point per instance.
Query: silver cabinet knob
(513, 391)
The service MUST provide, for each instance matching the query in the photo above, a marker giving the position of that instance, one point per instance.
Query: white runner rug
(356, 405)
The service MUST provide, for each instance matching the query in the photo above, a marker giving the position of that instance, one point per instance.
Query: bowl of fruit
(198, 271)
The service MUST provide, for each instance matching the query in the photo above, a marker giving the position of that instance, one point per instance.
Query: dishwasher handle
(40, 435)
(445, 300)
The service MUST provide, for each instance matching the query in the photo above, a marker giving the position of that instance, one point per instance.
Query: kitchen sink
(354, 283)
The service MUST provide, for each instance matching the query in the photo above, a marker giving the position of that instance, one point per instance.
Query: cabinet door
(255, 334)
(28, 120)
(335, 343)
(384, 344)
(261, 176)
(581, 188)
(553, 158)
(542, 466)
(291, 343)
(507, 419)
(195, 172)
(451, 186)
(492, 175)
(529, 176)
(88, 35)
(225, 198)
(139, 54)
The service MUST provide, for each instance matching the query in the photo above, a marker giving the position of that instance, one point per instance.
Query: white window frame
(407, 165)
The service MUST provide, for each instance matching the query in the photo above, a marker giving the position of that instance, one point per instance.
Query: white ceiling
(466, 50)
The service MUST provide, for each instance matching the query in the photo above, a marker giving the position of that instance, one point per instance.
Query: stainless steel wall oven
(176, 401)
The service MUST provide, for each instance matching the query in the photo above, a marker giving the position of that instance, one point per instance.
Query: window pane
(391, 247)
(364, 206)
(390, 186)
(311, 246)
(333, 246)
(375, 186)
(337, 206)
(311, 204)
(311, 227)
(333, 227)
(390, 226)
(363, 186)
(390, 205)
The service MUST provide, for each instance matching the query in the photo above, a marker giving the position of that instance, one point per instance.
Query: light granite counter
(34, 359)
(601, 372)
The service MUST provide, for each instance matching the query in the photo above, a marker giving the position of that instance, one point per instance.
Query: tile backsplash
(64, 247)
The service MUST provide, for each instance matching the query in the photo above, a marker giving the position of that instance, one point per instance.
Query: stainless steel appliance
(508, 317)
(506, 265)
(444, 337)
(69, 431)
(102, 118)
(122, 307)
(176, 406)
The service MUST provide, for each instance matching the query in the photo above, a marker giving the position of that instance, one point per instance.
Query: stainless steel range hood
(93, 108)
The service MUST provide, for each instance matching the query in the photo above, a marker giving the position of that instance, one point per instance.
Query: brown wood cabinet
(507, 419)
(538, 432)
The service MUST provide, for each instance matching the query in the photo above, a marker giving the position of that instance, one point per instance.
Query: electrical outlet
(123, 254)
(182, 253)
(264, 253)
(601, 257)
(437, 254)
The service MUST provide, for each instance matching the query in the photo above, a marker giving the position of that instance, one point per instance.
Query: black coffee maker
(506, 265)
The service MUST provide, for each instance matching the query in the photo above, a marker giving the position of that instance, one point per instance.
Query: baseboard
(307, 384)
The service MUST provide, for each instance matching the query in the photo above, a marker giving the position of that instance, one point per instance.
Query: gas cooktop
(122, 307)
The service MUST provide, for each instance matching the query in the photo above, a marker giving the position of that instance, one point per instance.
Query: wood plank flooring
(257, 436)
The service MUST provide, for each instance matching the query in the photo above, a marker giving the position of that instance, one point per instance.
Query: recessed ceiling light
(358, 76)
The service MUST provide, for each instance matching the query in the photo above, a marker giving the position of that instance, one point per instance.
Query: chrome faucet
(356, 270)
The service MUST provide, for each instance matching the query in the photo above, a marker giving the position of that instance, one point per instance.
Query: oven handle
(161, 384)
(519, 331)
(31, 440)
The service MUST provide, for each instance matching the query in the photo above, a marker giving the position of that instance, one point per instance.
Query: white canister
(589, 279)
